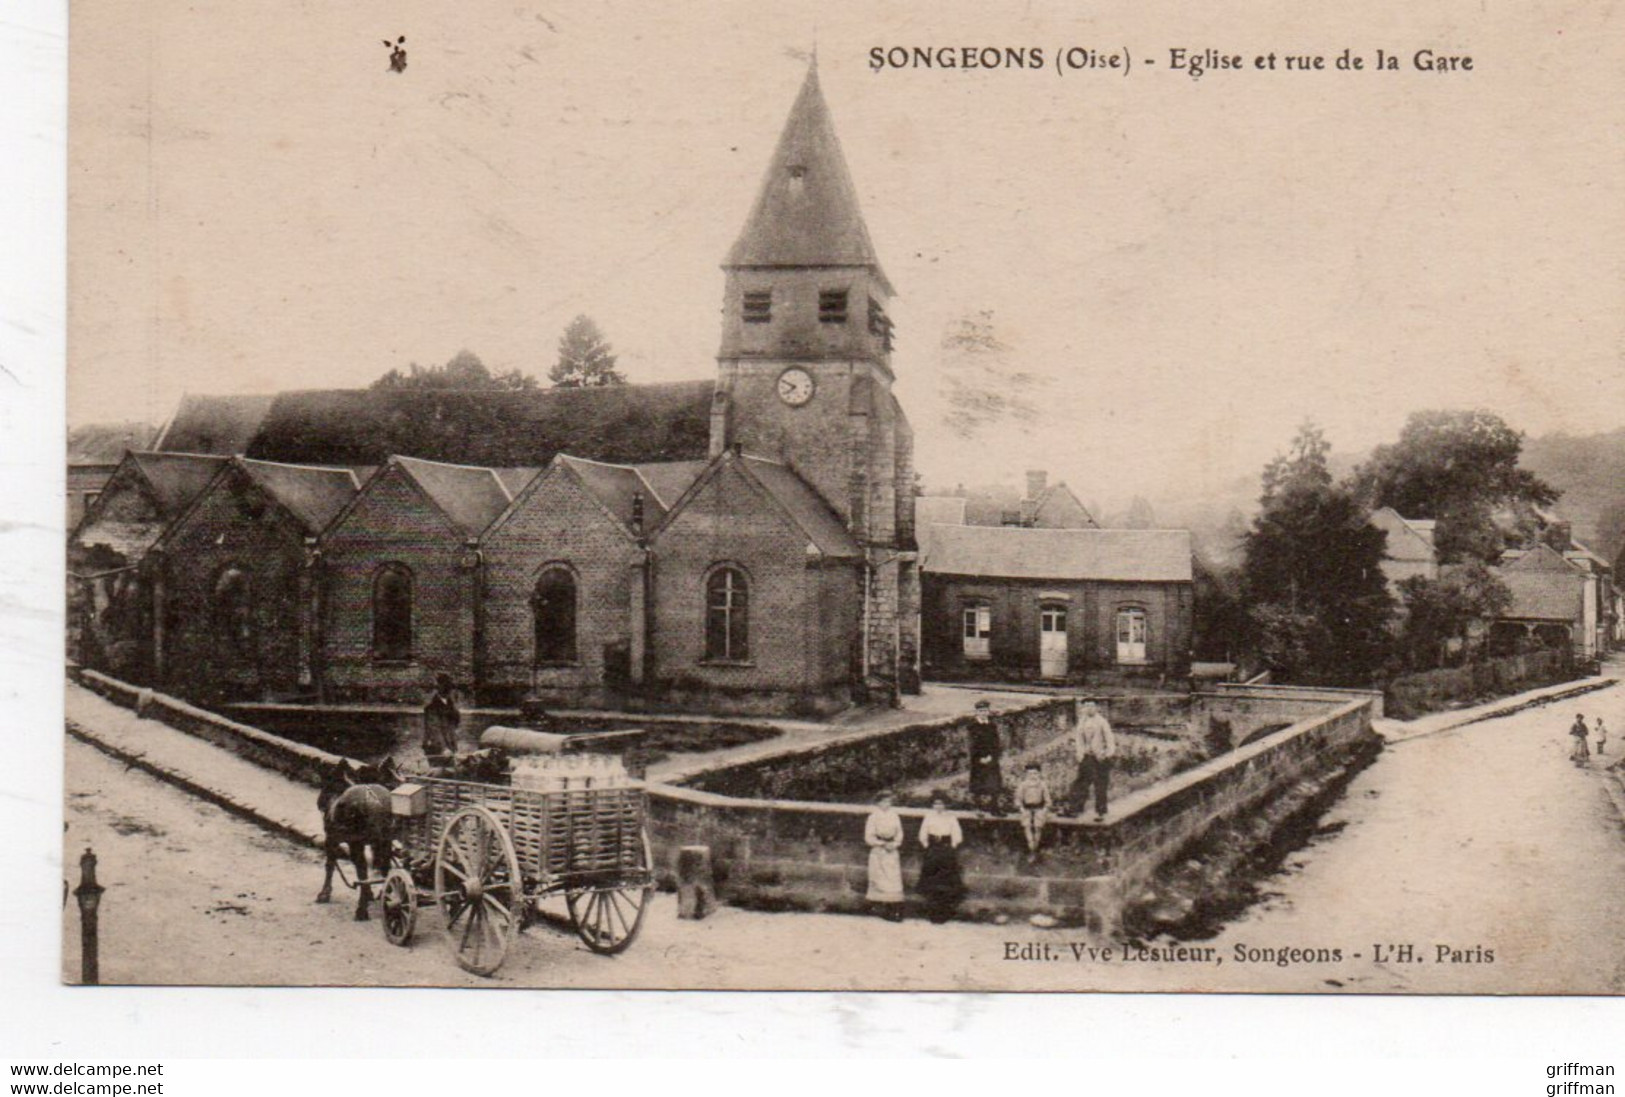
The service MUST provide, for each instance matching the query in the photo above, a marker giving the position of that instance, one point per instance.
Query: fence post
(89, 894)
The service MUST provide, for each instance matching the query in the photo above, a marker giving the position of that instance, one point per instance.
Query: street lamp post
(89, 894)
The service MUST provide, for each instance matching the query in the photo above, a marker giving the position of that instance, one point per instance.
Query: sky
(1185, 268)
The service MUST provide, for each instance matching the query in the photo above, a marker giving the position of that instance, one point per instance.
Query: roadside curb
(1507, 710)
(280, 827)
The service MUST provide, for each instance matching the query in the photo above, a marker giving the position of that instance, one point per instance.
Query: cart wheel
(608, 919)
(480, 891)
(400, 907)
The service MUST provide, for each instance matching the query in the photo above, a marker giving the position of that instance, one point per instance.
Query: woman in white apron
(883, 833)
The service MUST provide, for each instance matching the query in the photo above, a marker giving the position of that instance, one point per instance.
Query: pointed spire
(806, 213)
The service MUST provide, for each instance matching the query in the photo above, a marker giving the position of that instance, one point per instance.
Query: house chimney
(1036, 480)
(1560, 536)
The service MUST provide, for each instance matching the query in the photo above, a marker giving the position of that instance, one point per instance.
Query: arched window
(392, 613)
(553, 608)
(232, 608)
(1132, 635)
(727, 615)
(976, 620)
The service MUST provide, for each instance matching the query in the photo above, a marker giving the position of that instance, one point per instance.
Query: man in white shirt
(1094, 746)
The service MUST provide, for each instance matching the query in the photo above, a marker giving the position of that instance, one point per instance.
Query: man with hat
(986, 775)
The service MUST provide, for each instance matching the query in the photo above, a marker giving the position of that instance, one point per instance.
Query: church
(743, 546)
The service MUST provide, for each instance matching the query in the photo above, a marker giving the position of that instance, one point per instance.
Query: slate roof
(669, 479)
(615, 486)
(313, 495)
(106, 443)
(223, 425)
(177, 478)
(495, 429)
(806, 213)
(804, 505)
(1013, 552)
(1409, 539)
(515, 480)
(470, 497)
(1542, 595)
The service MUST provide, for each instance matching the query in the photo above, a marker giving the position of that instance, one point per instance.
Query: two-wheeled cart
(486, 854)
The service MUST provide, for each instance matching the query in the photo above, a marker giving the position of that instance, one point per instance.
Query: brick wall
(235, 525)
(556, 522)
(731, 521)
(392, 522)
(1091, 627)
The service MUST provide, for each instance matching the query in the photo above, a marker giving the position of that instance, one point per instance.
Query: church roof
(615, 486)
(223, 425)
(669, 479)
(493, 428)
(313, 495)
(806, 213)
(1015, 552)
(176, 478)
(470, 497)
(805, 506)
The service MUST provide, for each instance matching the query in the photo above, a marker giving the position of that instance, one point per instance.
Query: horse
(354, 803)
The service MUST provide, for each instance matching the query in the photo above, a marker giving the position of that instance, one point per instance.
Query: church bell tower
(804, 372)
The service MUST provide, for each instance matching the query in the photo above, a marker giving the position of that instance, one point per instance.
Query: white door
(1052, 641)
(978, 627)
(1131, 636)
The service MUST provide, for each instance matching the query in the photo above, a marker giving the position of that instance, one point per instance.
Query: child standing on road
(1033, 801)
(1580, 733)
(1602, 736)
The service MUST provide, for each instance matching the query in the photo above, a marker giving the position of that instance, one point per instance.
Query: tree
(1439, 611)
(1139, 514)
(464, 372)
(1221, 624)
(586, 360)
(1458, 468)
(1312, 572)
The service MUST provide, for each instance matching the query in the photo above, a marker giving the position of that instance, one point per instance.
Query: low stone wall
(1416, 694)
(296, 760)
(854, 768)
(1245, 709)
(777, 853)
(374, 731)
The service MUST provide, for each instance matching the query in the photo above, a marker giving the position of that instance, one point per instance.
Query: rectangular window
(978, 628)
(832, 306)
(880, 324)
(758, 306)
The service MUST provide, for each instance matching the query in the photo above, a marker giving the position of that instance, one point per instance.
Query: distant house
(1085, 606)
(1410, 552)
(233, 589)
(1559, 599)
(94, 452)
(1044, 506)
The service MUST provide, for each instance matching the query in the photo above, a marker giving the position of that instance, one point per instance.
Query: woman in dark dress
(941, 885)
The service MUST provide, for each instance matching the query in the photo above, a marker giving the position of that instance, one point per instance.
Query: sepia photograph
(894, 497)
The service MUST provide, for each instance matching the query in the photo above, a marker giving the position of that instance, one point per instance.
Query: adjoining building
(232, 587)
(1044, 506)
(1080, 606)
(109, 600)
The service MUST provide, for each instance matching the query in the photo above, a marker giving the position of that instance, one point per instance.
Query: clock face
(795, 387)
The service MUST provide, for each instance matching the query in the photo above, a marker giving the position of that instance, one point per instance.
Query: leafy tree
(463, 372)
(1438, 611)
(586, 360)
(1312, 572)
(1458, 468)
(1221, 624)
(1139, 514)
